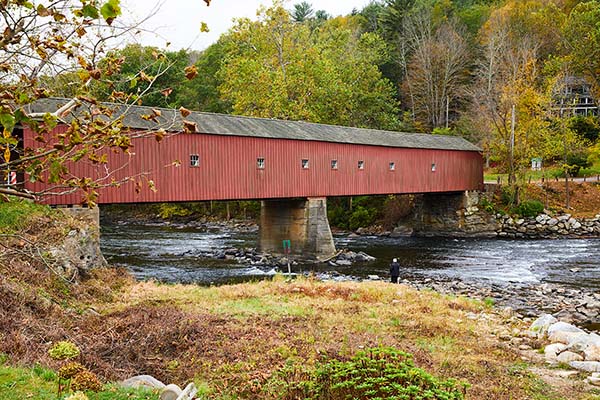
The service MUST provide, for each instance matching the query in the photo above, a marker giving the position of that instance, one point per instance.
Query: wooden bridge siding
(228, 170)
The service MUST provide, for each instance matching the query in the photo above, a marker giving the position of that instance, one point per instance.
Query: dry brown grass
(584, 197)
(237, 337)
(264, 324)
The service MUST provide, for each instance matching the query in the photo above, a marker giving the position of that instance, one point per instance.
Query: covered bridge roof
(222, 124)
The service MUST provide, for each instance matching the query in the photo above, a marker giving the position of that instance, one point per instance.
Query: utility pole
(567, 176)
(511, 175)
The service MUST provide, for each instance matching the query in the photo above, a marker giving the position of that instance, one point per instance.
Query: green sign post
(287, 249)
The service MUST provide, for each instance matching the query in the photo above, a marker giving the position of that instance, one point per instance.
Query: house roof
(222, 124)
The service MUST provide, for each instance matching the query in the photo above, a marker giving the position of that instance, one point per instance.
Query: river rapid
(188, 253)
(561, 276)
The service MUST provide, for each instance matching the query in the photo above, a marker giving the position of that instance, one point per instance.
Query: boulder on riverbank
(569, 345)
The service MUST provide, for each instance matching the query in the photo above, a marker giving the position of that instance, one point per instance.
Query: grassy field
(40, 384)
(547, 173)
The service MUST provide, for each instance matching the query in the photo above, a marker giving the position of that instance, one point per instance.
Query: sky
(179, 21)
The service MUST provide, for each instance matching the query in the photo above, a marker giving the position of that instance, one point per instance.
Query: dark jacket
(394, 269)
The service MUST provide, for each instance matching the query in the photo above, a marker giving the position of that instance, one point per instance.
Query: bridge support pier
(301, 221)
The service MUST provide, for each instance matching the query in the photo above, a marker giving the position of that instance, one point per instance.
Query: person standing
(395, 270)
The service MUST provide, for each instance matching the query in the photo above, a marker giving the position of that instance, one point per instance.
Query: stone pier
(301, 221)
(452, 215)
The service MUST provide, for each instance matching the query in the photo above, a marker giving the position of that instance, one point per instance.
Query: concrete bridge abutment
(302, 222)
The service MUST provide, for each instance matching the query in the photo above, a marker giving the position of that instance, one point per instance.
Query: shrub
(63, 351)
(361, 217)
(530, 208)
(379, 373)
(69, 370)
(338, 217)
(575, 162)
(508, 195)
(487, 205)
(86, 380)
(169, 210)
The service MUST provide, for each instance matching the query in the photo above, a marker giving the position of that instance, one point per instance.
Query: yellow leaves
(191, 72)
(7, 154)
(43, 11)
(166, 92)
(189, 127)
(82, 62)
(204, 27)
(144, 77)
(153, 116)
(41, 51)
(159, 135)
(80, 31)
(184, 111)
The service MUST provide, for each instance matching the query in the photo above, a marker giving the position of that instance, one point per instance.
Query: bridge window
(260, 163)
(361, 164)
(433, 167)
(194, 160)
(334, 164)
(305, 163)
(392, 166)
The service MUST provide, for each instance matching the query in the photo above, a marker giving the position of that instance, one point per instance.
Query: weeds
(378, 373)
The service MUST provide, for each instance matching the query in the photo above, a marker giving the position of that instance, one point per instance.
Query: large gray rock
(568, 356)
(562, 332)
(540, 326)
(78, 252)
(552, 351)
(594, 379)
(587, 366)
(142, 381)
(170, 392)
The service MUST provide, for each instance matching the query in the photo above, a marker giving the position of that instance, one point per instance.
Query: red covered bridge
(232, 157)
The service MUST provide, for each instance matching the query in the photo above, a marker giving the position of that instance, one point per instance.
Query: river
(180, 253)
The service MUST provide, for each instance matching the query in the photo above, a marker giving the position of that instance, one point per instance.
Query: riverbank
(257, 340)
(556, 276)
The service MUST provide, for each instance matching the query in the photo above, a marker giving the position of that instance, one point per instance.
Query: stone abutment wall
(460, 215)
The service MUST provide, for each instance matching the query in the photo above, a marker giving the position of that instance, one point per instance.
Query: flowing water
(187, 254)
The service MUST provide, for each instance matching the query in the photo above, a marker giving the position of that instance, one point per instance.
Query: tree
(276, 68)
(147, 75)
(437, 71)
(582, 42)
(49, 39)
(515, 41)
(202, 92)
(302, 12)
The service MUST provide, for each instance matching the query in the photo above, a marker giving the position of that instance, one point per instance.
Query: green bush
(508, 195)
(487, 205)
(63, 351)
(338, 216)
(379, 373)
(170, 210)
(575, 162)
(529, 208)
(361, 217)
